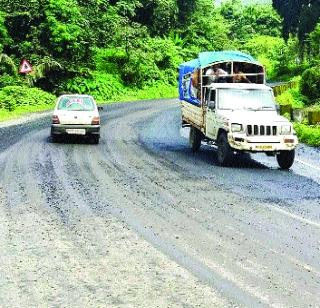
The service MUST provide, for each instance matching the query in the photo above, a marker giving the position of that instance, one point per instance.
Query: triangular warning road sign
(25, 67)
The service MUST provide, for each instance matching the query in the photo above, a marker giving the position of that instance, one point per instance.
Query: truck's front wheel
(225, 152)
(285, 159)
(195, 139)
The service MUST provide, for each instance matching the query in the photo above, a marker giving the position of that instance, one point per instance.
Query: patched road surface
(140, 221)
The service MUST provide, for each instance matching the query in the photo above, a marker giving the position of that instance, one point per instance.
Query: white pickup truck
(237, 117)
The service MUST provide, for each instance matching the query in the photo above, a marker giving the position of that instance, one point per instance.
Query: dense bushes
(308, 134)
(291, 97)
(108, 47)
(115, 48)
(102, 86)
(14, 97)
(310, 84)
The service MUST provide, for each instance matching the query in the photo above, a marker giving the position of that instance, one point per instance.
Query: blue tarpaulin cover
(186, 91)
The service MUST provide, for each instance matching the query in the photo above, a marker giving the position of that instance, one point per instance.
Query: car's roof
(75, 95)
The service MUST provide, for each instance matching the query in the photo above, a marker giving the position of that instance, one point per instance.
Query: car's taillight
(55, 119)
(95, 121)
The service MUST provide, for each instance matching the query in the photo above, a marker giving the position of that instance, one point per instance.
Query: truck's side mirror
(211, 105)
(278, 108)
(100, 108)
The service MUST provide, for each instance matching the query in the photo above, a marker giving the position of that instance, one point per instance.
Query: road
(140, 221)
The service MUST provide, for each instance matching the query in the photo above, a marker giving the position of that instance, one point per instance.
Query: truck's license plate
(76, 131)
(264, 147)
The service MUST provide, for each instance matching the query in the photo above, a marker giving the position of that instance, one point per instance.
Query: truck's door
(211, 127)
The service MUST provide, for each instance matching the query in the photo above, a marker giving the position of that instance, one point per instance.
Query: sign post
(25, 67)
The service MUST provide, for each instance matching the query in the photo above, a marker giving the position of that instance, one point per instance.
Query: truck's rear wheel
(195, 139)
(285, 159)
(225, 152)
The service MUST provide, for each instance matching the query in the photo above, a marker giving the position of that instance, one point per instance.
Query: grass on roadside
(154, 92)
(309, 134)
(21, 101)
(6, 115)
(16, 101)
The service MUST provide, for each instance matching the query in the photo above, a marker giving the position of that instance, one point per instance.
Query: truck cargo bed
(193, 115)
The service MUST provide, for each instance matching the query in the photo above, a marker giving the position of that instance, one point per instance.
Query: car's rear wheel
(285, 159)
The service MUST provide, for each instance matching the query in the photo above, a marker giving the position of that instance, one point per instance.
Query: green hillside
(119, 50)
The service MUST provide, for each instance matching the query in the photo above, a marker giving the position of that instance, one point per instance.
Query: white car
(76, 115)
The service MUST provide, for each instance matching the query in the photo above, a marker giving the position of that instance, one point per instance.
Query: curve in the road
(248, 234)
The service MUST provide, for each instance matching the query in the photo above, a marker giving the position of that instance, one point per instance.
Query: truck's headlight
(236, 128)
(285, 130)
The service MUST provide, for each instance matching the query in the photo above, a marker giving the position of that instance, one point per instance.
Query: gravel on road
(140, 221)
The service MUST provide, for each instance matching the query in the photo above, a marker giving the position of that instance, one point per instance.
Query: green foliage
(102, 86)
(67, 29)
(4, 36)
(155, 61)
(7, 65)
(109, 60)
(250, 20)
(310, 83)
(45, 68)
(308, 134)
(207, 31)
(314, 42)
(13, 97)
(9, 80)
(159, 15)
(110, 48)
(155, 91)
(292, 97)
(268, 50)
(299, 16)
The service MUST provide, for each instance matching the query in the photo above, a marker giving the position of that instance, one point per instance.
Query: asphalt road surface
(140, 221)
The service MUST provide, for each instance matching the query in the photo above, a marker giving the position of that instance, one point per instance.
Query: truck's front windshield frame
(246, 99)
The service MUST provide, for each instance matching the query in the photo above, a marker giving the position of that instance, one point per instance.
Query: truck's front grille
(261, 130)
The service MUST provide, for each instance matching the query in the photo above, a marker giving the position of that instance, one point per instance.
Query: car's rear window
(76, 103)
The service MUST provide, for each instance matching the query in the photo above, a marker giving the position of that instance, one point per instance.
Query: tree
(207, 31)
(268, 50)
(5, 38)
(299, 16)
(68, 32)
(186, 8)
(314, 42)
(160, 16)
(249, 20)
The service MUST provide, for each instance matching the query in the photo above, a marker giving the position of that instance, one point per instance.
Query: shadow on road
(71, 140)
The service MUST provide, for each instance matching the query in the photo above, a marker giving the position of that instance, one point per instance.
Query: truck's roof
(239, 86)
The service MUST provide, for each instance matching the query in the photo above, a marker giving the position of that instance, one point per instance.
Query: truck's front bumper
(242, 142)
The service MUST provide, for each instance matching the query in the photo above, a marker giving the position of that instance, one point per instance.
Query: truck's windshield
(250, 99)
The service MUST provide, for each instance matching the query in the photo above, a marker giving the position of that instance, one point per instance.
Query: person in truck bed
(239, 76)
(219, 73)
